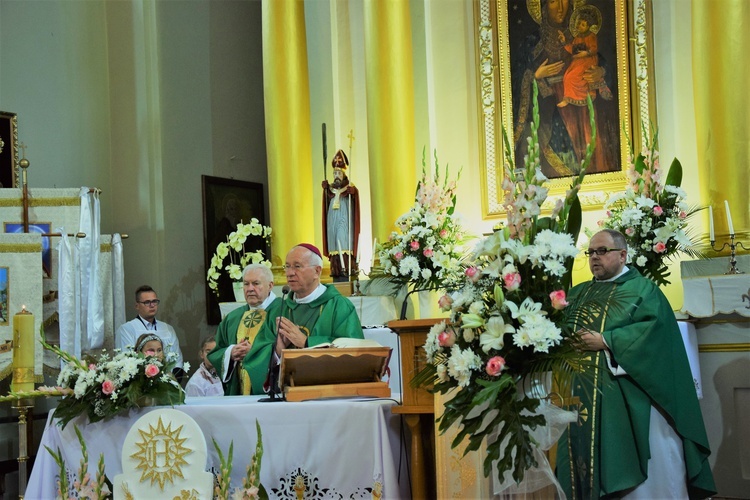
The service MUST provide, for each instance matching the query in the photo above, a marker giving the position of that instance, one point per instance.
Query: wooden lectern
(417, 405)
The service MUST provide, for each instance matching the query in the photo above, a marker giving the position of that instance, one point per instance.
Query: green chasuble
(328, 317)
(607, 451)
(257, 326)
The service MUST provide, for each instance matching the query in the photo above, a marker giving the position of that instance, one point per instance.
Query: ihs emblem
(161, 454)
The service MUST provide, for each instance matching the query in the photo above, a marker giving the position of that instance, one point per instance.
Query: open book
(347, 342)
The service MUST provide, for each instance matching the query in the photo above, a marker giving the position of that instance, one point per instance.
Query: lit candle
(23, 351)
(729, 217)
(711, 236)
(341, 255)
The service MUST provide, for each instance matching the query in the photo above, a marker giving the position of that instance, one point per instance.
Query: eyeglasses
(150, 303)
(601, 251)
(295, 267)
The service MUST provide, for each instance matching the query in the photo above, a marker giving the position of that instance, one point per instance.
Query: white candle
(359, 248)
(711, 236)
(729, 217)
(341, 255)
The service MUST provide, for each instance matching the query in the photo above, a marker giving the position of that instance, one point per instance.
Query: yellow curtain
(721, 41)
(287, 108)
(390, 111)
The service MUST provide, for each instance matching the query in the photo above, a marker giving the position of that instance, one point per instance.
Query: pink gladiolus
(658, 210)
(558, 299)
(427, 252)
(152, 371)
(108, 387)
(443, 233)
(660, 247)
(609, 213)
(445, 302)
(472, 273)
(92, 366)
(495, 366)
(512, 281)
(414, 245)
(446, 338)
(398, 255)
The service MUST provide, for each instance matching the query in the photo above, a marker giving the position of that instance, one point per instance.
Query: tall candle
(711, 236)
(359, 248)
(729, 217)
(23, 351)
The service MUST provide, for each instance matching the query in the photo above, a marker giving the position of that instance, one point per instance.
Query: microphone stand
(273, 371)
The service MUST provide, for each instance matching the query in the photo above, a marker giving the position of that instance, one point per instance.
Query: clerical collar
(148, 324)
(313, 295)
(624, 270)
(271, 297)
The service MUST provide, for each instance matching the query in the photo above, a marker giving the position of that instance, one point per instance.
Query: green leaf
(640, 164)
(674, 177)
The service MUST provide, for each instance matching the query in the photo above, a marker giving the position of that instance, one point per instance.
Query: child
(204, 381)
(584, 26)
(149, 344)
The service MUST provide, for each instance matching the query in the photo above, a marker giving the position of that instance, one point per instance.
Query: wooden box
(334, 372)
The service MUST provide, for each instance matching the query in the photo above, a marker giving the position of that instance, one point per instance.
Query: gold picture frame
(628, 22)
(9, 170)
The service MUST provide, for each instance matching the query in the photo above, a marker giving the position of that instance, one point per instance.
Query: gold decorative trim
(20, 247)
(739, 347)
(41, 202)
(632, 22)
(105, 248)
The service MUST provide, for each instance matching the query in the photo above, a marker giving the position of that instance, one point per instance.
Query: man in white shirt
(205, 381)
(146, 307)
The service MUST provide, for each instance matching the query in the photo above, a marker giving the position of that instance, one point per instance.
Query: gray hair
(617, 238)
(264, 271)
(313, 258)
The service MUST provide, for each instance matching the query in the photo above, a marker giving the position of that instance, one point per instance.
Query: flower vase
(239, 293)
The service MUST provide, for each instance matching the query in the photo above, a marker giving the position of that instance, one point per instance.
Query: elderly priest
(313, 313)
(239, 356)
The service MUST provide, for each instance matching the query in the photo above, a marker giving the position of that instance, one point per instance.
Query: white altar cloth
(340, 447)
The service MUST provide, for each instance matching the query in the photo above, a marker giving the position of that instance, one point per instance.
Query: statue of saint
(340, 220)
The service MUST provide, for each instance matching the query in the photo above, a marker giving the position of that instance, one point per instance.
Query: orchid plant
(234, 249)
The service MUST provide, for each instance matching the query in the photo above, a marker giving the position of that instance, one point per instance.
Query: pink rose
(443, 233)
(108, 387)
(683, 214)
(495, 366)
(558, 299)
(609, 213)
(446, 338)
(445, 302)
(660, 247)
(398, 255)
(630, 231)
(92, 367)
(472, 273)
(152, 371)
(414, 245)
(512, 281)
(658, 210)
(427, 252)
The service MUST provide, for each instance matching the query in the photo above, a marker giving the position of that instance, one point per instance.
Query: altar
(341, 448)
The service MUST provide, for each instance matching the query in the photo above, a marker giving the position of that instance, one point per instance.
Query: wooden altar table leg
(418, 479)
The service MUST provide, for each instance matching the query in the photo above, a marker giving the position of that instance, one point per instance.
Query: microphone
(271, 385)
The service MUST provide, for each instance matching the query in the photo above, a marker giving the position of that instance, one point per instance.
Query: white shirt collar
(320, 290)
(624, 270)
(271, 297)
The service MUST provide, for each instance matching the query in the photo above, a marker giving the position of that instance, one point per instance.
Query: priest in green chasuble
(313, 313)
(239, 356)
(640, 432)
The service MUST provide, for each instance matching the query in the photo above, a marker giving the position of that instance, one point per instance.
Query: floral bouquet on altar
(108, 385)
(425, 253)
(508, 326)
(235, 249)
(652, 214)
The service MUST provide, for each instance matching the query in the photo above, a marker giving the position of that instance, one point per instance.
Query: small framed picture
(9, 150)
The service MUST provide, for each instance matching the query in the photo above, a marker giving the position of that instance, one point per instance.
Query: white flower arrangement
(239, 256)
(425, 252)
(652, 213)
